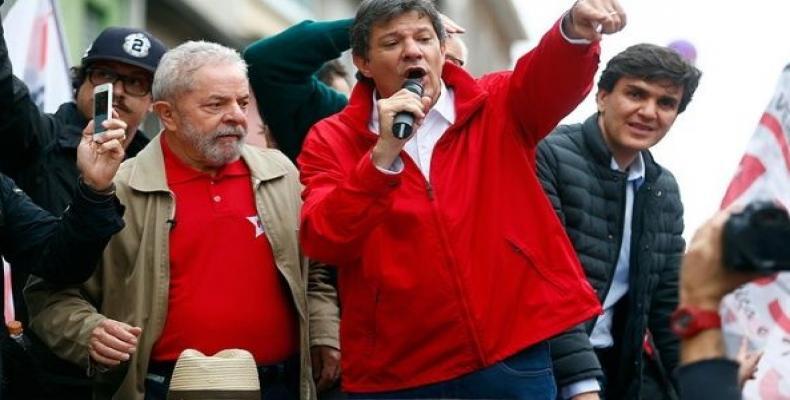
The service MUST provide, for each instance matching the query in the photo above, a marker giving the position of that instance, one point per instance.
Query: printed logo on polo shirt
(256, 222)
(136, 45)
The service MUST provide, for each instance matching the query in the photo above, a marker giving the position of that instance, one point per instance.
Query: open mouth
(415, 73)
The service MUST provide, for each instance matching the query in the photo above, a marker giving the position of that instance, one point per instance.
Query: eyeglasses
(133, 85)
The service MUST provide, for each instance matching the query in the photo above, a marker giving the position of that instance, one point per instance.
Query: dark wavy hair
(373, 12)
(652, 63)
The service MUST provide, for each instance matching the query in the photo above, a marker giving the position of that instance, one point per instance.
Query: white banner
(36, 47)
(760, 311)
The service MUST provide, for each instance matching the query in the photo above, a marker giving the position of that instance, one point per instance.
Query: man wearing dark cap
(39, 150)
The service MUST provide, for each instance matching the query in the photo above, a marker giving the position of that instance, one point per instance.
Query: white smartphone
(102, 107)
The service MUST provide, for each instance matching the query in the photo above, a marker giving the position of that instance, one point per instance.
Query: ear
(363, 65)
(166, 114)
(600, 100)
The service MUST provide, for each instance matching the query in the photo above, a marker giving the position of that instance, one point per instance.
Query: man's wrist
(707, 344)
(87, 194)
(382, 157)
(101, 190)
(694, 299)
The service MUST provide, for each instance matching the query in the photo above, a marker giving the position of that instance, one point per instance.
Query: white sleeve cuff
(576, 388)
(394, 169)
(581, 41)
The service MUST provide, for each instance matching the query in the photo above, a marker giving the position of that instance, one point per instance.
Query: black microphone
(404, 120)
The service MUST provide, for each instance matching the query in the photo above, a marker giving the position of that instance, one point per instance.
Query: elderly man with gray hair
(209, 258)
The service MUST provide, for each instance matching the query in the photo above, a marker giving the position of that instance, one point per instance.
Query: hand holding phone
(102, 107)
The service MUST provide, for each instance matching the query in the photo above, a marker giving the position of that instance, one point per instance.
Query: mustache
(223, 131)
(120, 104)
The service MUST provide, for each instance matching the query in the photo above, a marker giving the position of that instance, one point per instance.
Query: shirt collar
(636, 170)
(444, 106)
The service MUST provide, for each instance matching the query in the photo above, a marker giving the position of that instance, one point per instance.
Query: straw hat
(229, 374)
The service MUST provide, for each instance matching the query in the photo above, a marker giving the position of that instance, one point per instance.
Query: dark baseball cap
(127, 45)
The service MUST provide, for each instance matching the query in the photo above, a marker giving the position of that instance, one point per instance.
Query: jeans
(526, 375)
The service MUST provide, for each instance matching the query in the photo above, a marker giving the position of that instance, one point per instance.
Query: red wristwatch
(686, 322)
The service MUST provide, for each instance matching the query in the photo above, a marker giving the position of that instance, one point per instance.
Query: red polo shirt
(225, 290)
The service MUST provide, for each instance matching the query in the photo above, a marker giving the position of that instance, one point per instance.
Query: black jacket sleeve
(571, 352)
(709, 379)
(61, 250)
(24, 129)
(665, 297)
(547, 165)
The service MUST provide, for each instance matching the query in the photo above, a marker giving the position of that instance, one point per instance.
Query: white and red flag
(760, 311)
(37, 50)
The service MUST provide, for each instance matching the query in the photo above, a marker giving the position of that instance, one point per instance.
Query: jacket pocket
(546, 273)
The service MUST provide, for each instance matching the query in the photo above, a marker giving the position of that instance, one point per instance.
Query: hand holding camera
(757, 239)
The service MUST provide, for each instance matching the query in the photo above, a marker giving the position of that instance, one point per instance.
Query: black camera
(757, 239)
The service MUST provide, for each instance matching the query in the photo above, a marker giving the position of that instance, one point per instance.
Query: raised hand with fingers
(98, 158)
(748, 361)
(590, 19)
(388, 147)
(451, 27)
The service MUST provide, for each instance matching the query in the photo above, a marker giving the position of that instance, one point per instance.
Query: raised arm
(553, 78)
(281, 71)
(24, 129)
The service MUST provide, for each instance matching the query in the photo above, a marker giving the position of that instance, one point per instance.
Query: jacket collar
(469, 97)
(71, 132)
(148, 170)
(593, 140)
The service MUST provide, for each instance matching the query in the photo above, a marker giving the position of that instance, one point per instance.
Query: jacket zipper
(454, 273)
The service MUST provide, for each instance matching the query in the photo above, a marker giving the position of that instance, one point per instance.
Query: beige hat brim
(213, 395)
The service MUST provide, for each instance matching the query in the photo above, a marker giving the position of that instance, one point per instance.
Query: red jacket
(442, 279)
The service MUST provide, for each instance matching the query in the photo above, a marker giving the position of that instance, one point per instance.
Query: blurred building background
(492, 25)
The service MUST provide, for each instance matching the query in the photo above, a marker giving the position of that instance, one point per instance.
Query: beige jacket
(132, 281)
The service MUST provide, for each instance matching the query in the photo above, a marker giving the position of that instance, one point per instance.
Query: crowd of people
(490, 254)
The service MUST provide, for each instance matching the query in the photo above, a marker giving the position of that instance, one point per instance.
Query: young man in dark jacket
(39, 150)
(623, 213)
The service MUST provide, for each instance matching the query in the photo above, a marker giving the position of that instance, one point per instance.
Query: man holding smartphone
(39, 150)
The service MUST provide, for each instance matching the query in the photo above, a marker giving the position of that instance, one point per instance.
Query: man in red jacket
(453, 267)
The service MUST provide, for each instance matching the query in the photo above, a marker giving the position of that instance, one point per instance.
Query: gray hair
(175, 74)
(373, 12)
